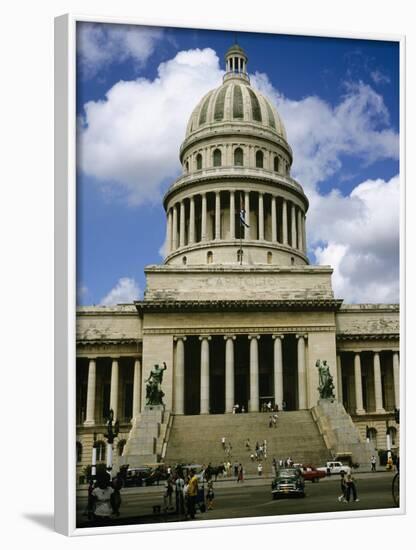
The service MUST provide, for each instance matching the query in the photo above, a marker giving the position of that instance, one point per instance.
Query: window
(269, 257)
(217, 157)
(259, 159)
(393, 434)
(372, 436)
(292, 261)
(276, 164)
(186, 166)
(79, 451)
(238, 157)
(100, 446)
(239, 256)
(120, 447)
(210, 257)
(184, 260)
(199, 161)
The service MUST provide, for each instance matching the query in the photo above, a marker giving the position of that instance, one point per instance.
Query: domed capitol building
(238, 314)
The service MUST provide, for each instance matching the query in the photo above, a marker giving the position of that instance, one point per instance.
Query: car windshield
(287, 473)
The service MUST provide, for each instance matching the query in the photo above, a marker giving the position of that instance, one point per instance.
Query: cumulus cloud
(359, 236)
(126, 290)
(131, 138)
(99, 45)
(320, 134)
(379, 77)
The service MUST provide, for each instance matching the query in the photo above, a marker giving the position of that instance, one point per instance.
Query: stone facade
(236, 311)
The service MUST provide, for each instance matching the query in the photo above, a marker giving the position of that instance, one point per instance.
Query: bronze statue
(326, 383)
(154, 393)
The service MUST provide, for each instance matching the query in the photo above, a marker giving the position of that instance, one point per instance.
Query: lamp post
(94, 457)
(112, 433)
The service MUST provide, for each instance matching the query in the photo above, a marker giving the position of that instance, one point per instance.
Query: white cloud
(379, 78)
(126, 290)
(131, 139)
(321, 134)
(82, 292)
(99, 45)
(360, 236)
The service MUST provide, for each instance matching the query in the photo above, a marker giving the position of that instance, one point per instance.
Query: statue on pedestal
(154, 393)
(326, 382)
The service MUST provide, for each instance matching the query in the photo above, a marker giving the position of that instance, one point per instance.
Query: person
(252, 457)
(269, 406)
(168, 494)
(223, 442)
(271, 422)
(102, 497)
(248, 446)
(260, 468)
(117, 485)
(342, 497)
(89, 512)
(389, 465)
(243, 409)
(351, 488)
(210, 496)
(235, 469)
(280, 463)
(373, 463)
(274, 465)
(240, 473)
(192, 493)
(179, 494)
(283, 405)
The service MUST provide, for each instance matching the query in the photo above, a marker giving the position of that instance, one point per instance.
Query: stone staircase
(197, 439)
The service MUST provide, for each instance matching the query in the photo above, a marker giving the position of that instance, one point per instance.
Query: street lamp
(112, 433)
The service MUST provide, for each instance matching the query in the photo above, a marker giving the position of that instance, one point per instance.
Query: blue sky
(338, 98)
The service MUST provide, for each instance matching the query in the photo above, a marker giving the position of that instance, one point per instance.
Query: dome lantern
(236, 64)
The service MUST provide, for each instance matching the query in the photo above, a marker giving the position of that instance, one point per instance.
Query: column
(377, 383)
(175, 228)
(302, 401)
(300, 233)
(284, 222)
(274, 219)
(304, 233)
(358, 385)
(232, 215)
(114, 388)
(339, 379)
(396, 379)
(137, 387)
(204, 218)
(182, 225)
(217, 215)
(92, 376)
(254, 373)
(229, 373)
(247, 209)
(169, 233)
(179, 383)
(261, 217)
(293, 225)
(278, 370)
(191, 220)
(204, 374)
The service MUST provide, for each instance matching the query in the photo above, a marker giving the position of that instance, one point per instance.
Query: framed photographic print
(228, 220)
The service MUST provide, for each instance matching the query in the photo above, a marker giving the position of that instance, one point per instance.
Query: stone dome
(235, 102)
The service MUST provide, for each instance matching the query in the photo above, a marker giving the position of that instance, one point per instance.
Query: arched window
(100, 446)
(239, 256)
(120, 446)
(292, 261)
(184, 260)
(269, 257)
(187, 167)
(210, 257)
(217, 157)
(238, 157)
(199, 161)
(393, 435)
(372, 436)
(276, 164)
(79, 451)
(259, 159)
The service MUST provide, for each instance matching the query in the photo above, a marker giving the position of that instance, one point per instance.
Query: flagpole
(240, 225)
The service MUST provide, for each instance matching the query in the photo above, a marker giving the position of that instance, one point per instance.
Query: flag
(242, 213)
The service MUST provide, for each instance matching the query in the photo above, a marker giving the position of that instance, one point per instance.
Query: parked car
(310, 473)
(288, 482)
(137, 477)
(335, 467)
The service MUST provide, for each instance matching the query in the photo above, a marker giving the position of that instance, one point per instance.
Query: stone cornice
(237, 331)
(107, 341)
(166, 306)
(369, 336)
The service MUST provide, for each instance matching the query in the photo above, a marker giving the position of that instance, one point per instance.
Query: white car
(335, 467)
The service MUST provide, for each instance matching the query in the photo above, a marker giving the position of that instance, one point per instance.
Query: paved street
(253, 499)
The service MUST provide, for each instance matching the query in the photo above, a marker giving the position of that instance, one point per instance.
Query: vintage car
(288, 482)
(335, 467)
(310, 473)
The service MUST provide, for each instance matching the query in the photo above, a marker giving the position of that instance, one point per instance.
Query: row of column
(92, 389)
(378, 393)
(176, 237)
(254, 406)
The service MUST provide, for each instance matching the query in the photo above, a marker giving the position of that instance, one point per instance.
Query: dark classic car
(288, 482)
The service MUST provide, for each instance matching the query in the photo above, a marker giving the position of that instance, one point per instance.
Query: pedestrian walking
(260, 468)
(252, 457)
(192, 494)
(373, 463)
(271, 422)
(343, 496)
(210, 496)
(179, 495)
(102, 499)
(240, 474)
(351, 488)
(248, 446)
(223, 442)
(235, 469)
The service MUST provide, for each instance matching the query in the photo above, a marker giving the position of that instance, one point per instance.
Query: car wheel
(274, 496)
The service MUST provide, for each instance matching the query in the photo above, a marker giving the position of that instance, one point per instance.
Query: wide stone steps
(197, 439)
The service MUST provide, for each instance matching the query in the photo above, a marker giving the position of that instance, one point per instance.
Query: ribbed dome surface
(233, 102)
